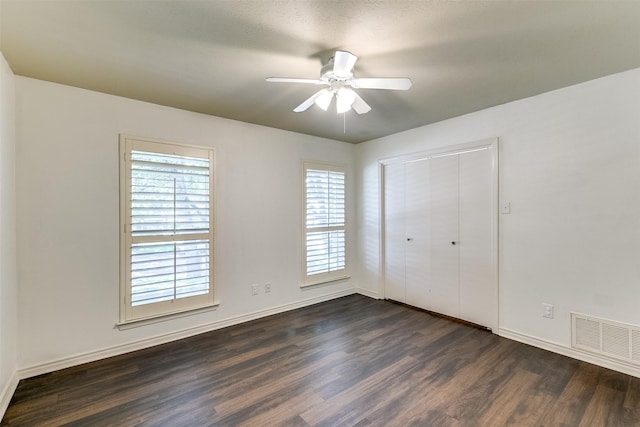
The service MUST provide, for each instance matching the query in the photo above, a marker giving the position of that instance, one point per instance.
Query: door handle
(453, 243)
(409, 239)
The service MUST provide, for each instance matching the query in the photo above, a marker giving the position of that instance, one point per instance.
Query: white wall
(570, 165)
(8, 277)
(67, 166)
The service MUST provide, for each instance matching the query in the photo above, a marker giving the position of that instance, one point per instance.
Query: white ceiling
(212, 56)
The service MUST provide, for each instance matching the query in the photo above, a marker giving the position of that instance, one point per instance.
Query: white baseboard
(571, 352)
(79, 359)
(92, 356)
(7, 393)
(367, 293)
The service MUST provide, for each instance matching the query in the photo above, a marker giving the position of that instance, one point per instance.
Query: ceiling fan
(338, 75)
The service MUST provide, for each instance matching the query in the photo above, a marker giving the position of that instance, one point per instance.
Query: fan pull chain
(344, 123)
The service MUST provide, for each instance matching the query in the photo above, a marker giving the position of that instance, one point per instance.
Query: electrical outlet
(254, 290)
(547, 311)
(267, 288)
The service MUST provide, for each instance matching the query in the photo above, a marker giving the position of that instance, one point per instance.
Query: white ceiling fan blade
(393, 83)
(343, 63)
(359, 106)
(309, 102)
(290, 80)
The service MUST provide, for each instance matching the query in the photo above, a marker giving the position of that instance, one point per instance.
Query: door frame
(492, 144)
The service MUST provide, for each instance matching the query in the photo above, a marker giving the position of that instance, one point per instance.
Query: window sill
(326, 281)
(130, 324)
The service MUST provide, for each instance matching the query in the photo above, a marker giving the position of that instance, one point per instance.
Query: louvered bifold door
(170, 229)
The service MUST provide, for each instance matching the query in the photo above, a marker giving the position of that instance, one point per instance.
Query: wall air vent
(605, 337)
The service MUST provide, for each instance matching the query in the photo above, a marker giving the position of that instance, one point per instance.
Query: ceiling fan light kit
(324, 99)
(338, 75)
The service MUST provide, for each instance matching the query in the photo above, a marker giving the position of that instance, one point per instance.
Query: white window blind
(168, 228)
(325, 221)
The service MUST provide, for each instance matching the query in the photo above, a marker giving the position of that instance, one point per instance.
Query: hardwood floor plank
(261, 391)
(353, 361)
(604, 407)
(338, 409)
(475, 391)
(504, 403)
(631, 406)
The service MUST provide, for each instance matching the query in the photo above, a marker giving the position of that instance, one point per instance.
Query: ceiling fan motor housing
(326, 70)
(327, 74)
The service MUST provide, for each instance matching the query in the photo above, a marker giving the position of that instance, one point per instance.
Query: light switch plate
(505, 208)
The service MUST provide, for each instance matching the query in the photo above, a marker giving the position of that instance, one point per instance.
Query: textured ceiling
(212, 56)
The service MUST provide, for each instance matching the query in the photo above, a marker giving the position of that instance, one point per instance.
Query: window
(325, 219)
(166, 215)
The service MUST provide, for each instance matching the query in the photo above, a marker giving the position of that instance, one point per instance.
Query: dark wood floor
(353, 361)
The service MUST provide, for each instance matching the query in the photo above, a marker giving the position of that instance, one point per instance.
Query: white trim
(382, 285)
(444, 150)
(161, 141)
(329, 281)
(7, 393)
(9, 390)
(335, 275)
(368, 293)
(92, 356)
(164, 317)
(128, 312)
(570, 352)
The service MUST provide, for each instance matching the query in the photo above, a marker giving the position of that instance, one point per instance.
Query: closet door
(418, 232)
(478, 276)
(443, 290)
(440, 218)
(394, 230)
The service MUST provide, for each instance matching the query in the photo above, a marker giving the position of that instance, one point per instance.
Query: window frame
(177, 307)
(335, 275)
